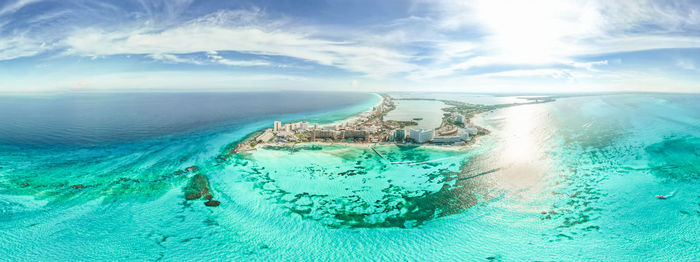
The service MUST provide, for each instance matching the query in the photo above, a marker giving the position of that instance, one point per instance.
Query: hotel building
(420, 136)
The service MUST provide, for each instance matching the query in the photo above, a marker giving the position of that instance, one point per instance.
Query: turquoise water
(570, 180)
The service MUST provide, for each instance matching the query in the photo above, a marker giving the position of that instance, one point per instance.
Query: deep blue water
(572, 180)
(97, 118)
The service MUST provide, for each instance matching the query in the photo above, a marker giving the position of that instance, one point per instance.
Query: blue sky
(419, 45)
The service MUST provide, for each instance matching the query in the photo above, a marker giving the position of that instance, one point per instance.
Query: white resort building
(420, 136)
(303, 126)
(277, 126)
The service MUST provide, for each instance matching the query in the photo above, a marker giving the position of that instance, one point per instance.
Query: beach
(405, 128)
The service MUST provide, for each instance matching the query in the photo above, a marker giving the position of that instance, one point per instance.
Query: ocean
(571, 180)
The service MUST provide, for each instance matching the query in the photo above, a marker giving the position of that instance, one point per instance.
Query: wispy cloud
(556, 32)
(554, 73)
(21, 46)
(174, 59)
(13, 6)
(240, 31)
(686, 64)
(224, 61)
(430, 43)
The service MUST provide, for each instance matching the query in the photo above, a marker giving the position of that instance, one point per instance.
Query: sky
(489, 46)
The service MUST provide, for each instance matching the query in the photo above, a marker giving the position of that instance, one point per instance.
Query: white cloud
(235, 32)
(544, 28)
(547, 32)
(213, 58)
(686, 64)
(173, 58)
(13, 6)
(221, 60)
(451, 41)
(229, 62)
(589, 65)
(554, 73)
(21, 46)
(482, 61)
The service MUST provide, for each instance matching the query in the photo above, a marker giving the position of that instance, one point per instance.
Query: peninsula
(455, 129)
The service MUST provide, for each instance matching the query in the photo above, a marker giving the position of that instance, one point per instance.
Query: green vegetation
(402, 124)
(470, 110)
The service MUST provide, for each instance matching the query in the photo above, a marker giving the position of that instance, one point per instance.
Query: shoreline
(376, 113)
(238, 146)
(376, 110)
(368, 145)
(358, 115)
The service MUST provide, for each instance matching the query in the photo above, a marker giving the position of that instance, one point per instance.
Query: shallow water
(570, 180)
(352, 186)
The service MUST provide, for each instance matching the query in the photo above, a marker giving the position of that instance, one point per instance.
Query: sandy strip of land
(367, 145)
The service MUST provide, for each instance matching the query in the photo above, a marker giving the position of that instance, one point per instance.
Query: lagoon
(430, 111)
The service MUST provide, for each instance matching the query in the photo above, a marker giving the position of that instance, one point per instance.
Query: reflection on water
(352, 186)
(521, 135)
(572, 179)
